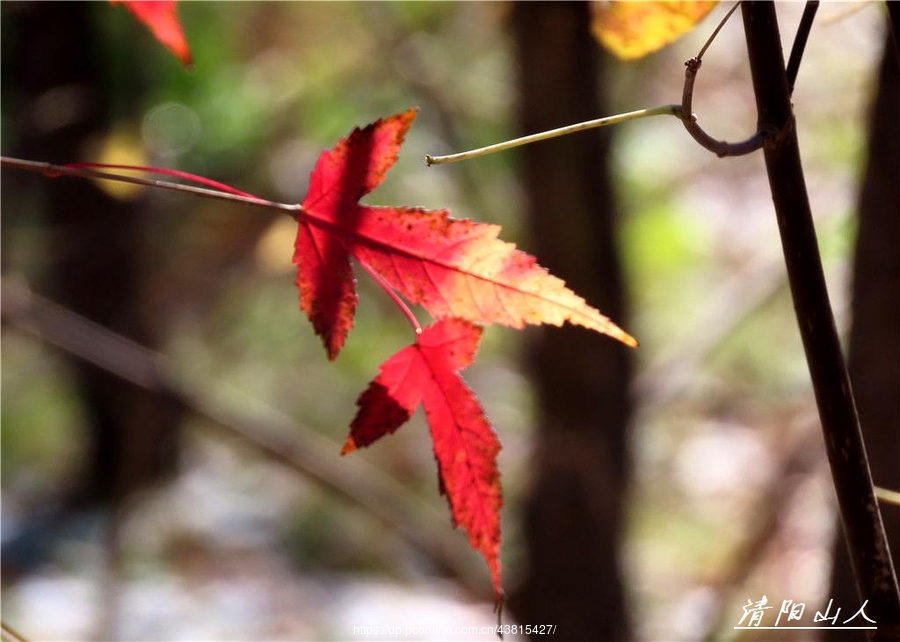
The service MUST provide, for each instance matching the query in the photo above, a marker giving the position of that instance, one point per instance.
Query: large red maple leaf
(451, 267)
(465, 445)
(459, 271)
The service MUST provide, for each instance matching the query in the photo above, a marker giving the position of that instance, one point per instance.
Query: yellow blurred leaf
(634, 29)
(122, 146)
(276, 246)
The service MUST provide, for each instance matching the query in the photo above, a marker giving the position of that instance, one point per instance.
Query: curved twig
(720, 148)
(278, 438)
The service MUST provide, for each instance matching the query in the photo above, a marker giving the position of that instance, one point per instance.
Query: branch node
(773, 136)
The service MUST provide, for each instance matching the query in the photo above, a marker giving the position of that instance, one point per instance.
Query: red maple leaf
(465, 445)
(161, 18)
(451, 267)
(462, 274)
(459, 271)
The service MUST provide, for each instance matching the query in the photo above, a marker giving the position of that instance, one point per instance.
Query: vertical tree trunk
(93, 242)
(874, 361)
(574, 512)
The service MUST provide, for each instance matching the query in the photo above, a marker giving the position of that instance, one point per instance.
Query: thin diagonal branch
(9, 634)
(55, 171)
(664, 110)
(274, 436)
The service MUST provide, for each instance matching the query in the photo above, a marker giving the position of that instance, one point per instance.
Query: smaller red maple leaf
(465, 445)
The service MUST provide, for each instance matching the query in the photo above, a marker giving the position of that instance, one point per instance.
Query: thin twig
(887, 496)
(9, 634)
(843, 12)
(803, 29)
(201, 180)
(54, 171)
(664, 110)
(716, 31)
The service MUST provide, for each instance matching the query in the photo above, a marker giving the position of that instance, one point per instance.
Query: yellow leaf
(634, 29)
(270, 253)
(121, 146)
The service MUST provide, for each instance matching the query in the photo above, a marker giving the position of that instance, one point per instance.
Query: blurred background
(170, 470)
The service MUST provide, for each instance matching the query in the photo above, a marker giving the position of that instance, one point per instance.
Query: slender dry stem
(664, 110)
(55, 171)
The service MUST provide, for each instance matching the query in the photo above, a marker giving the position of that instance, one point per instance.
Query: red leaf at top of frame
(161, 17)
(454, 268)
(465, 445)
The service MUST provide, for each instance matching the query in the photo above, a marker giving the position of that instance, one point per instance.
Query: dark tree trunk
(56, 96)
(874, 360)
(574, 512)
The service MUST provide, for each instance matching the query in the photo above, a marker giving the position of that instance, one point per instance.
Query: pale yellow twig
(889, 496)
(665, 110)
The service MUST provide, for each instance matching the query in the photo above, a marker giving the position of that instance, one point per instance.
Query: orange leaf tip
(161, 17)
(349, 446)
